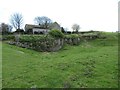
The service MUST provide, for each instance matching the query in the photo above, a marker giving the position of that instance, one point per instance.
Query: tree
(75, 28)
(43, 21)
(5, 28)
(16, 20)
(63, 30)
(56, 33)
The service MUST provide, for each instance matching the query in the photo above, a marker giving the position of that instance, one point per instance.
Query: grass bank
(92, 64)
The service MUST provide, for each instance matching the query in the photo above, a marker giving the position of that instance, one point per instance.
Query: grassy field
(92, 64)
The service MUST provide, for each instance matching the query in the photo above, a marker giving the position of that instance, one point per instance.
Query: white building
(43, 31)
(33, 29)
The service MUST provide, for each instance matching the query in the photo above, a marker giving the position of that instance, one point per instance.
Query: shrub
(34, 38)
(56, 34)
(5, 33)
(8, 37)
(72, 36)
(20, 31)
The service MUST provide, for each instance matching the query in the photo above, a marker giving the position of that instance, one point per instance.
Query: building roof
(30, 26)
(51, 26)
(54, 24)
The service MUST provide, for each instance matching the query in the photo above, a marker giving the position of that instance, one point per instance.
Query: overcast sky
(89, 14)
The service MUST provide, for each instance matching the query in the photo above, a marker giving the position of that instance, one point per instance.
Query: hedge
(7, 37)
(56, 33)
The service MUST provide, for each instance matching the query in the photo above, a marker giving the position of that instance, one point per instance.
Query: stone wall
(72, 41)
(48, 45)
(51, 45)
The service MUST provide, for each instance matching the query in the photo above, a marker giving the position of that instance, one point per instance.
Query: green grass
(92, 64)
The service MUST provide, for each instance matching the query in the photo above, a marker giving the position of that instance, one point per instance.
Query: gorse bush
(56, 34)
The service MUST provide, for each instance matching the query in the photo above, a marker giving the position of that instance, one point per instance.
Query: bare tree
(16, 20)
(76, 27)
(43, 21)
(5, 28)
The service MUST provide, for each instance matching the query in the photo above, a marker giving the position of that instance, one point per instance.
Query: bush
(72, 36)
(8, 37)
(34, 38)
(20, 31)
(56, 34)
(5, 33)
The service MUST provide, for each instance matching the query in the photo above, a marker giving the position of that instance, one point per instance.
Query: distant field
(92, 64)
